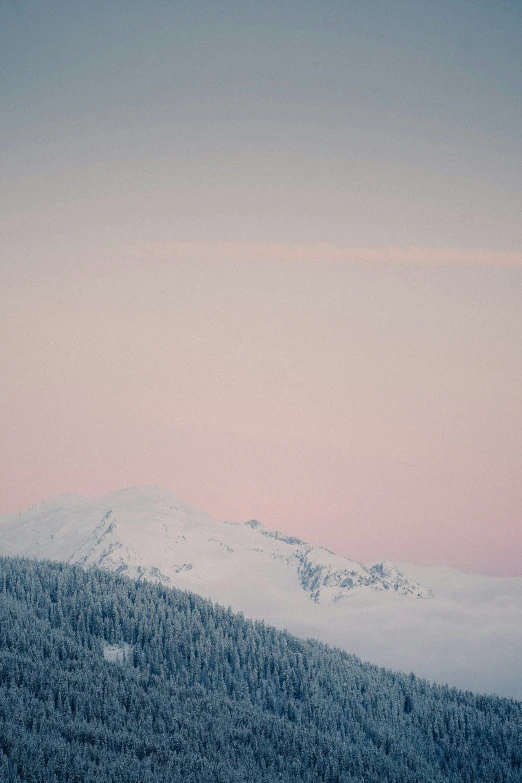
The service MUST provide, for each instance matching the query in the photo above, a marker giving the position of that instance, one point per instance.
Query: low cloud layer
(468, 636)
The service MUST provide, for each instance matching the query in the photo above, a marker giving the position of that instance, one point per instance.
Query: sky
(269, 255)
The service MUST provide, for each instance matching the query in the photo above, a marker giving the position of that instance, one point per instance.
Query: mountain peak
(147, 531)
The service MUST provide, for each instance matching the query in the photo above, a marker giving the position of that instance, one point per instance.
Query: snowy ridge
(149, 533)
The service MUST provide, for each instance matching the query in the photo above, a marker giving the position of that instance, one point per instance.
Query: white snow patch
(117, 653)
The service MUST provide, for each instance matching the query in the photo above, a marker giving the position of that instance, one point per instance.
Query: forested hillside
(205, 695)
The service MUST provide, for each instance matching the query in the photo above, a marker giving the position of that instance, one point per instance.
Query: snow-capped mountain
(147, 532)
(468, 633)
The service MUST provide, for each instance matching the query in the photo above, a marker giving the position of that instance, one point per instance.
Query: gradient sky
(269, 255)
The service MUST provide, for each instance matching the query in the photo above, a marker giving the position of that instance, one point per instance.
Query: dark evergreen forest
(207, 695)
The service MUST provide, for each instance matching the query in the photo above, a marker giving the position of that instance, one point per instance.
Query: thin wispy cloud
(324, 253)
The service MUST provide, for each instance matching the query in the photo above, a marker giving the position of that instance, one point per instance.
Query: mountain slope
(205, 695)
(469, 634)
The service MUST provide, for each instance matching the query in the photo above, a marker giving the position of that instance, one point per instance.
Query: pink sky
(371, 408)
